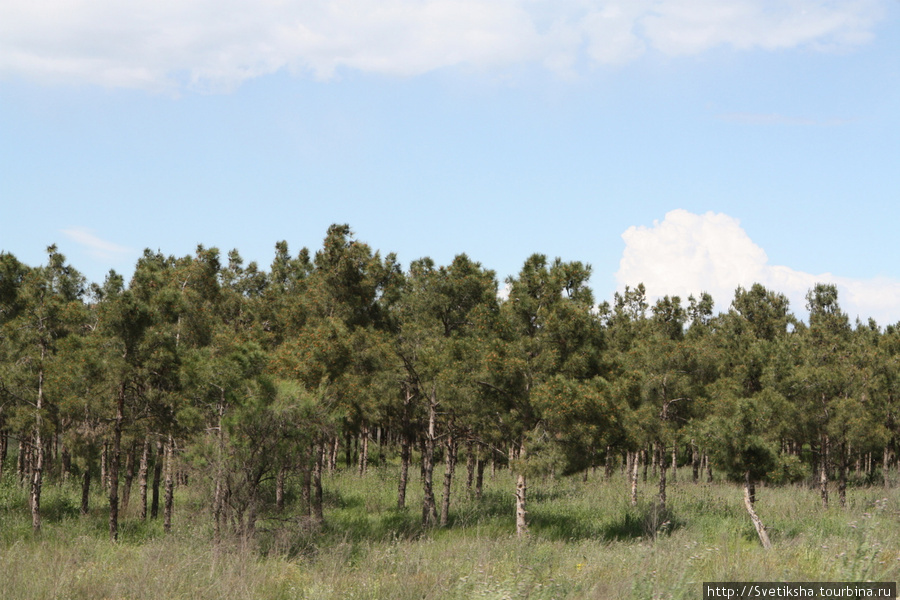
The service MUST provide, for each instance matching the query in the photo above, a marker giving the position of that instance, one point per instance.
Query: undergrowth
(586, 541)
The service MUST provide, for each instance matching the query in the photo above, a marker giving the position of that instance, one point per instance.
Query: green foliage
(261, 378)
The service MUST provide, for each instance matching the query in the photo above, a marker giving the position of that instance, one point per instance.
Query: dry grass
(586, 542)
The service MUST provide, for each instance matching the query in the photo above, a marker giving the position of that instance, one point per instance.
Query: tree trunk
(20, 462)
(449, 468)
(470, 467)
(695, 462)
(479, 478)
(842, 476)
(306, 486)
(332, 459)
(823, 472)
(38, 466)
(86, 490)
(674, 463)
(65, 462)
(104, 466)
(157, 479)
(429, 510)
(129, 476)
(317, 511)
(142, 477)
(348, 449)
(633, 476)
(749, 501)
(114, 464)
(662, 476)
(404, 470)
(364, 450)
(170, 484)
(521, 489)
(4, 445)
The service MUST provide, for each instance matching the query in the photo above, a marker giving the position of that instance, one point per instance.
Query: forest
(243, 396)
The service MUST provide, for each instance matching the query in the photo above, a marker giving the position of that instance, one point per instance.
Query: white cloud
(217, 44)
(686, 254)
(96, 247)
(692, 26)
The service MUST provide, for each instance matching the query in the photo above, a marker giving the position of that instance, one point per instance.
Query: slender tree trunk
(219, 473)
(823, 472)
(674, 463)
(470, 466)
(38, 467)
(65, 463)
(306, 486)
(129, 476)
(695, 462)
(479, 477)
(104, 466)
(629, 459)
(842, 476)
(709, 474)
(114, 464)
(885, 463)
(449, 468)
(170, 484)
(364, 450)
(317, 511)
(4, 446)
(142, 477)
(404, 470)
(749, 501)
(662, 476)
(429, 510)
(332, 460)
(521, 489)
(405, 450)
(86, 490)
(20, 462)
(157, 478)
(633, 475)
(645, 462)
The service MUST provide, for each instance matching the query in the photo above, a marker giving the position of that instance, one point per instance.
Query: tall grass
(586, 541)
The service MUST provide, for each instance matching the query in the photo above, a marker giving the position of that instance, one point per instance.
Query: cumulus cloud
(218, 44)
(96, 247)
(685, 254)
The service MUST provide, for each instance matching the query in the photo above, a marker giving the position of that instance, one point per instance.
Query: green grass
(586, 541)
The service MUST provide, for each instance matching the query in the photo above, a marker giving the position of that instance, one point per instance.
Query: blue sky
(693, 145)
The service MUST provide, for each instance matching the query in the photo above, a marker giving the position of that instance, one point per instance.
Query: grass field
(586, 541)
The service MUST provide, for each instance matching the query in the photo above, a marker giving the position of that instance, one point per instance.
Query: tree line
(253, 377)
